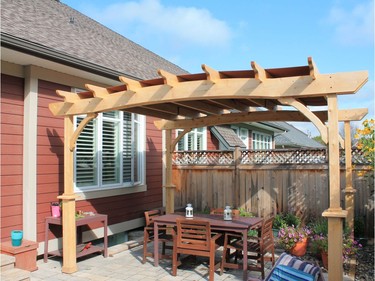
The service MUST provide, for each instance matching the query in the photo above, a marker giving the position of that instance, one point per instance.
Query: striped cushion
(293, 262)
(286, 273)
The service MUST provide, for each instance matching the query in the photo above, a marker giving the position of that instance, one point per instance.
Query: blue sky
(228, 35)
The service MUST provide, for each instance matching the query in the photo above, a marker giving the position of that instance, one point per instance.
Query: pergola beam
(257, 116)
(239, 88)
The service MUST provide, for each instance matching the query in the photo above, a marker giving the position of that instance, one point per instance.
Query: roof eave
(40, 51)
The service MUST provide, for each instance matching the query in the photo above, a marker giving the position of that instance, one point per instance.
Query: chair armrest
(216, 236)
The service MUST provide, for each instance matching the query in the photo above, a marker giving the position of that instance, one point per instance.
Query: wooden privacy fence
(268, 182)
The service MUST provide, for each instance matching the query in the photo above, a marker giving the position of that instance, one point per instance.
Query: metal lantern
(189, 211)
(227, 213)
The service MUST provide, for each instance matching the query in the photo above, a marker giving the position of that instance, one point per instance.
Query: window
(243, 134)
(196, 139)
(262, 141)
(110, 152)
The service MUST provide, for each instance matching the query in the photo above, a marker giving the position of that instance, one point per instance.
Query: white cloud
(185, 25)
(354, 27)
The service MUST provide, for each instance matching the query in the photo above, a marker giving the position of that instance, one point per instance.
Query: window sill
(92, 194)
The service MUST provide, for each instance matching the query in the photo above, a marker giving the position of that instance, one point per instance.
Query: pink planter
(55, 211)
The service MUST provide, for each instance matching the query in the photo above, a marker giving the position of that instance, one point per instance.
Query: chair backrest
(220, 211)
(267, 234)
(150, 215)
(193, 234)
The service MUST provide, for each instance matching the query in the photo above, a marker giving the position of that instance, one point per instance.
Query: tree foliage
(366, 141)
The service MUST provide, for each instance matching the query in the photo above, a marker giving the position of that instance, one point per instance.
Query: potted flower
(293, 239)
(350, 247)
(283, 220)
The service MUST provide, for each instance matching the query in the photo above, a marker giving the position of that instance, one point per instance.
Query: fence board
(301, 189)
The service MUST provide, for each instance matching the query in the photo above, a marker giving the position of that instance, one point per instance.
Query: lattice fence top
(203, 158)
(284, 157)
(254, 157)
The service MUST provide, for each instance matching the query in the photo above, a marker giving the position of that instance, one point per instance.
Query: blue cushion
(286, 273)
(291, 261)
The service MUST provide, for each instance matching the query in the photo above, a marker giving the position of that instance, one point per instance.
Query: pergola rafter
(219, 97)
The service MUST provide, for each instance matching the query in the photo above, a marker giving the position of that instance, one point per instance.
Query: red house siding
(50, 153)
(51, 168)
(12, 92)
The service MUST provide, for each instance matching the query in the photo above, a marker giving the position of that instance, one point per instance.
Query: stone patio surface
(126, 264)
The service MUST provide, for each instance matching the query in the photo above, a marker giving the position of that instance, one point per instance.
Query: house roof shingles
(294, 138)
(56, 26)
(228, 136)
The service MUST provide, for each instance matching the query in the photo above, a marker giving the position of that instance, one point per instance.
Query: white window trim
(123, 188)
(239, 130)
(185, 138)
(265, 135)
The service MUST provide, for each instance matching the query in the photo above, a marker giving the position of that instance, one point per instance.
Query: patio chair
(260, 249)
(149, 235)
(194, 237)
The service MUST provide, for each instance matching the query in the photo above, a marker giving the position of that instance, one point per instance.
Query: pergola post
(68, 203)
(169, 187)
(349, 190)
(334, 213)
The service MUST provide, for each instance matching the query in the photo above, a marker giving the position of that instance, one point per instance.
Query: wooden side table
(25, 254)
(79, 222)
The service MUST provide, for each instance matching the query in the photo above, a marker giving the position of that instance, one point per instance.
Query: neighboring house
(48, 46)
(252, 136)
(294, 138)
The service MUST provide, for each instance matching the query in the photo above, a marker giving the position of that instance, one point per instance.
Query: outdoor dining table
(237, 224)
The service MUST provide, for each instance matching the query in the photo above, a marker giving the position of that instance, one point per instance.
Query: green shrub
(244, 213)
(283, 220)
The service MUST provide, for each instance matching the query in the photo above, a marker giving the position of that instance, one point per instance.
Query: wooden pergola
(222, 97)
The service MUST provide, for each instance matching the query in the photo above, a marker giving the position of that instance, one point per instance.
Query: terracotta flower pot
(325, 259)
(300, 248)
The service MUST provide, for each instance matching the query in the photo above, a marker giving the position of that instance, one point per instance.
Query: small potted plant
(350, 247)
(283, 220)
(294, 239)
(55, 209)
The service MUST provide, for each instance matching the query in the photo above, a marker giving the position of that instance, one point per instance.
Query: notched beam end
(314, 73)
(97, 91)
(169, 78)
(60, 108)
(212, 74)
(260, 73)
(131, 85)
(68, 96)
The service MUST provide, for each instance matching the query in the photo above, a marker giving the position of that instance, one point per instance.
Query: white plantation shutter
(110, 148)
(127, 148)
(136, 150)
(86, 158)
(199, 139)
(194, 140)
(190, 141)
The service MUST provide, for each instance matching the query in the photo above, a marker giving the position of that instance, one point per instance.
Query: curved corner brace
(309, 114)
(179, 137)
(78, 131)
